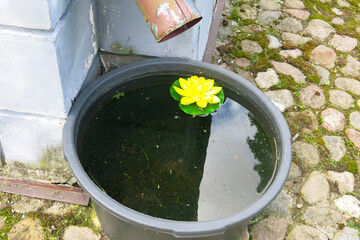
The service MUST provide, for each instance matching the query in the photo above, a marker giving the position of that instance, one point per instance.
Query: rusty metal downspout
(169, 18)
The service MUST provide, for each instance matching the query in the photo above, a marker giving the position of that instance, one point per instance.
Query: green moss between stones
(260, 66)
(316, 139)
(53, 226)
(354, 3)
(319, 10)
(258, 37)
(288, 82)
(274, 32)
(246, 22)
(274, 55)
(289, 45)
(307, 68)
(351, 157)
(234, 14)
(261, 62)
(10, 218)
(349, 29)
(307, 48)
(352, 166)
(236, 52)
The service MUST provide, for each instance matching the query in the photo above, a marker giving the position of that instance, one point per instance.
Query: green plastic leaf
(173, 93)
(193, 109)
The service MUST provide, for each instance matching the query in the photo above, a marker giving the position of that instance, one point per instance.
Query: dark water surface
(145, 153)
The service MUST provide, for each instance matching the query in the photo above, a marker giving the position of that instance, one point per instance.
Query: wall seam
(10, 113)
(38, 33)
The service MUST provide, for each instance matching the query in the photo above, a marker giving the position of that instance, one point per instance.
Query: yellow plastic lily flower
(199, 90)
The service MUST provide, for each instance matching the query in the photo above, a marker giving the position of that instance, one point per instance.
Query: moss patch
(118, 48)
(307, 68)
(260, 62)
(319, 10)
(352, 167)
(288, 82)
(53, 226)
(50, 167)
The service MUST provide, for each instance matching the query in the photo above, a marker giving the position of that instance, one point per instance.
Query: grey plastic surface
(120, 222)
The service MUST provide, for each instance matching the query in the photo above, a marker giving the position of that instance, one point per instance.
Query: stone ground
(28, 218)
(304, 55)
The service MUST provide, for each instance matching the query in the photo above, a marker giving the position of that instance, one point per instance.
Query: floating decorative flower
(197, 95)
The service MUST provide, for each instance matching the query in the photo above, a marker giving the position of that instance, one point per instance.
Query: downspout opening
(169, 18)
(180, 30)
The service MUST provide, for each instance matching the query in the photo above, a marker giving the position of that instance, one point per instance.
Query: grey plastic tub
(120, 222)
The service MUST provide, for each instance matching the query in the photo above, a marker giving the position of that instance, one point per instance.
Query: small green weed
(255, 220)
(354, 223)
(332, 163)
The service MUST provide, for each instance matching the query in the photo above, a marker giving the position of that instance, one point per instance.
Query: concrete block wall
(47, 48)
(34, 14)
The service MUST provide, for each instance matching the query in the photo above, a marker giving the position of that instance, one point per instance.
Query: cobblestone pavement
(304, 55)
(28, 218)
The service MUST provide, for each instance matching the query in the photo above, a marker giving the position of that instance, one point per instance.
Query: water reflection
(150, 156)
(236, 148)
(261, 146)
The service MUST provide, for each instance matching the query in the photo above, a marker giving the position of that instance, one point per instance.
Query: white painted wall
(76, 47)
(34, 14)
(29, 74)
(25, 137)
(121, 22)
(56, 10)
(41, 70)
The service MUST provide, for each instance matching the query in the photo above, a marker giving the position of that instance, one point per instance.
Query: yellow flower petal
(202, 103)
(192, 83)
(180, 91)
(183, 83)
(209, 84)
(214, 100)
(214, 90)
(196, 98)
(205, 97)
(195, 78)
(187, 100)
(184, 93)
(201, 81)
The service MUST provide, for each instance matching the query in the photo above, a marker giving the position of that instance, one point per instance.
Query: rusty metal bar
(168, 18)
(44, 190)
(210, 46)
